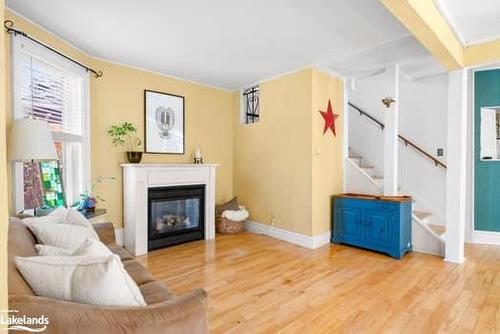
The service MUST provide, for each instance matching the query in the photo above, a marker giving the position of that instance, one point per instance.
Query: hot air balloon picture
(163, 122)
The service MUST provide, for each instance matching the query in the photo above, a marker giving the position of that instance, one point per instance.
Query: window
(250, 105)
(48, 87)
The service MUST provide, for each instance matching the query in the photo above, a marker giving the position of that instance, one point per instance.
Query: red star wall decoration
(329, 118)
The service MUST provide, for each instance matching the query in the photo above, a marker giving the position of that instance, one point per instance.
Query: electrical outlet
(440, 152)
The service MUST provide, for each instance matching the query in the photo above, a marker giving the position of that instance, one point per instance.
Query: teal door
(486, 173)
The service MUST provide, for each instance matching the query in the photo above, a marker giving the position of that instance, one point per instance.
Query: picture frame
(164, 123)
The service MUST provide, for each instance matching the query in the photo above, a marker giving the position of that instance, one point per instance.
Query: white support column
(457, 166)
(348, 83)
(391, 136)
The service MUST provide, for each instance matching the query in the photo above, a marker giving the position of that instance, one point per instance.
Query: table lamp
(31, 140)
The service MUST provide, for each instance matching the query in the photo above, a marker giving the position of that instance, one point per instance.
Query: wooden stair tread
(354, 157)
(421, 214)
(367, 167)
(378, 177)
(438, 229)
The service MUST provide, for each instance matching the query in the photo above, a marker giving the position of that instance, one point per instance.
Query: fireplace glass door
(176, 215)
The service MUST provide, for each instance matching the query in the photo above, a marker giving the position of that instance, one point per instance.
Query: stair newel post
(391, 111)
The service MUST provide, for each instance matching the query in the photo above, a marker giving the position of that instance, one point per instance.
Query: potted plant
(88, 199)
(123, 136)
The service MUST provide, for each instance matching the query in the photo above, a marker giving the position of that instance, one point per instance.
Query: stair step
(376, 177)
(422, 214)
(354, 157)
(367, 167)
(438, 229)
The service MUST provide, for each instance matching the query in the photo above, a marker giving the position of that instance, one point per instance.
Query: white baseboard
(119, 236)
(292, 237)
(485, 237)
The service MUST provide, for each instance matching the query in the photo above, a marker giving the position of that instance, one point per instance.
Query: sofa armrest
(184, 314)
(106, 232)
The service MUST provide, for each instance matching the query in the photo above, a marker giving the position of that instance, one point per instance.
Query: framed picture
(163, 123)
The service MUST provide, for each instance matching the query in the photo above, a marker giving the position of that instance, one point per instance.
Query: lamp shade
(31, 139)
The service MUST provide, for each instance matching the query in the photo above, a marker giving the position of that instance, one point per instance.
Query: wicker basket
(226, 226)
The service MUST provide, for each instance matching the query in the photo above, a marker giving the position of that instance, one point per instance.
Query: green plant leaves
(121, 136)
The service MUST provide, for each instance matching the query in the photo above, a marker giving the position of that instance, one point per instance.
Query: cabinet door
(348, 225)
(379, 228)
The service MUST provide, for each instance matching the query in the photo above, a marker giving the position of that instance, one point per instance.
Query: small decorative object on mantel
(329, 118)
(163, 122)
(123, 136)
(197, 157)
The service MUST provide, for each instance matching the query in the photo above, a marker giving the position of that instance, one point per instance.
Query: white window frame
(18, 43)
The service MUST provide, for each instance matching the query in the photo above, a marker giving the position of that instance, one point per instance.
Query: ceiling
(473, 21)
(414, 61)
(227, 43)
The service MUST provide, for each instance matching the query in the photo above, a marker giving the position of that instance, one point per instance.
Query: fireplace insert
(175, 215)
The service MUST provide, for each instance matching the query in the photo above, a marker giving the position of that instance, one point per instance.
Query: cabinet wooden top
(375, 197)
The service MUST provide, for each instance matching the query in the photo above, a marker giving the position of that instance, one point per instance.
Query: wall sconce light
(387, 101)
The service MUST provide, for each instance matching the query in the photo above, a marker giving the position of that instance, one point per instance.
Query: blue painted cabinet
(373, 222)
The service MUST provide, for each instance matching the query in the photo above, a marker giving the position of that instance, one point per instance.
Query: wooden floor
(257, 284)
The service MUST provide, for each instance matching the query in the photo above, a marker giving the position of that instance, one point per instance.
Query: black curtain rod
(8, 24)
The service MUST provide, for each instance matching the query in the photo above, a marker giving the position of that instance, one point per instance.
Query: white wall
(365, 137)
(422, 119)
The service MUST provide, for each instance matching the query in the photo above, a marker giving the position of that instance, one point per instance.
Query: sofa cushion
(121, 252)
(61, 235)
(89, 247)
(138, 272)
(21, 242)
(155, 292)
(98, 280)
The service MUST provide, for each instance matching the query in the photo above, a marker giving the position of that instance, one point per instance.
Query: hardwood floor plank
(257, 284)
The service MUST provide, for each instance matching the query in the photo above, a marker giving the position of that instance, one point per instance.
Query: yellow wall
(3, 178)
(118, 96)
(272, 158)
(277, 172)
(327, 159)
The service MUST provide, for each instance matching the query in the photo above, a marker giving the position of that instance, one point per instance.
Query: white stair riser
(424, 239)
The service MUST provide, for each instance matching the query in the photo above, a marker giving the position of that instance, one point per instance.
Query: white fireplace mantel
(138, 178)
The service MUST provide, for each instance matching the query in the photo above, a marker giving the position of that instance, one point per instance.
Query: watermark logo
(17, 322)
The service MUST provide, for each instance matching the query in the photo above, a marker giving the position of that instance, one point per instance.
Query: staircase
(428, 233)
(427, 236)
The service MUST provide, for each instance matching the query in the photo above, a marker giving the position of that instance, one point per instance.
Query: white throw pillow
(64, 216)
(56, 216)
(46, 250)
(77, 218)
(98, 280)
(61, 235)
(89, 247)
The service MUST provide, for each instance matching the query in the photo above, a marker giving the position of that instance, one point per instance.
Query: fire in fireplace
(176, 215)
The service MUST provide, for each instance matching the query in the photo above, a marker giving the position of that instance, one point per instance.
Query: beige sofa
(165, 312)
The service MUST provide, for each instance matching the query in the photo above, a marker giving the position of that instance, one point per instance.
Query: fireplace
(175, 215)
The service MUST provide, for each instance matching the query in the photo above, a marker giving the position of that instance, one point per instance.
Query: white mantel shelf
(169, 165)
(138, 178)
